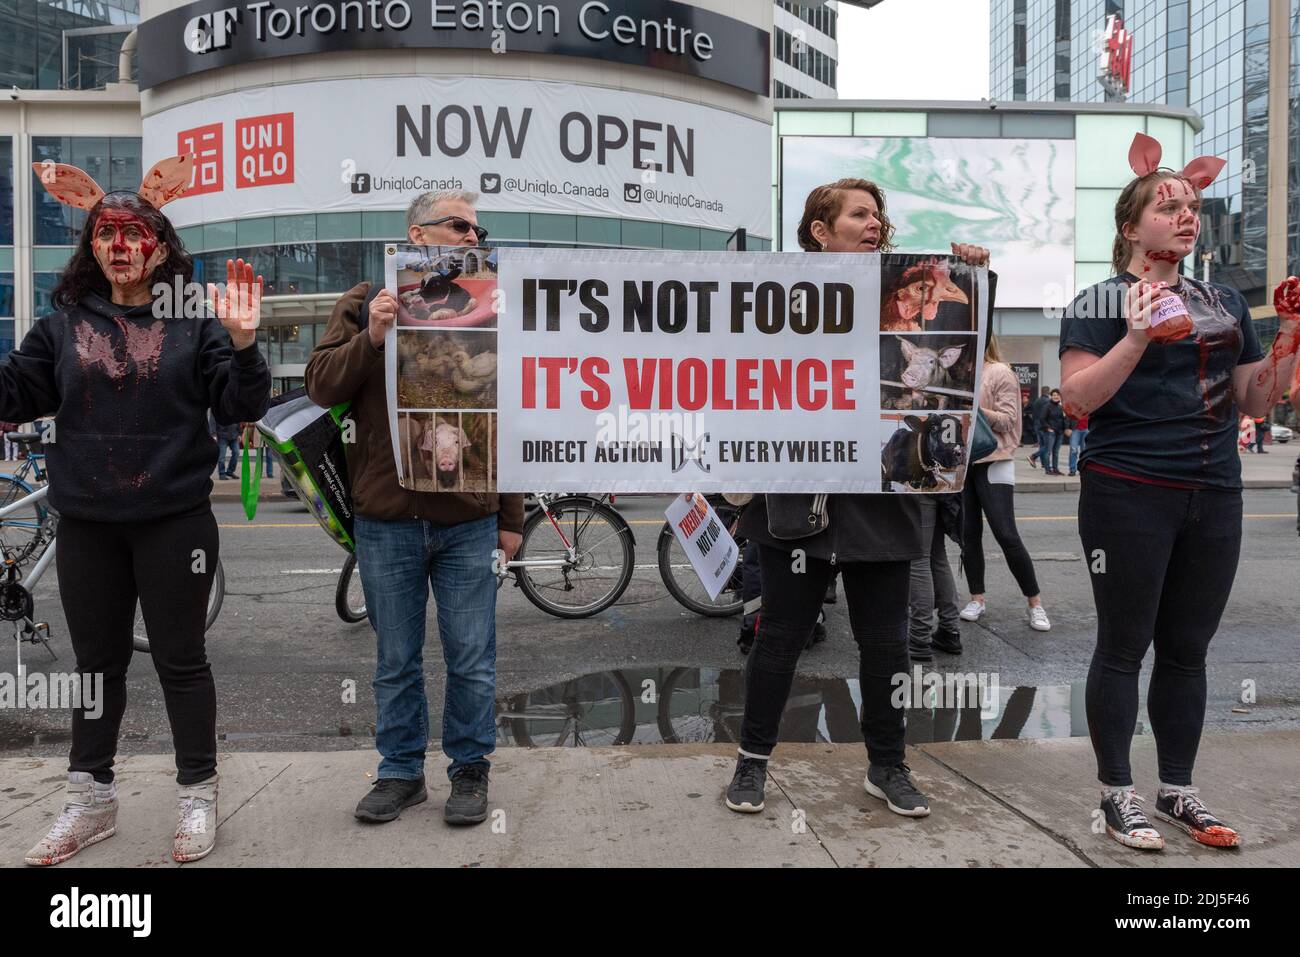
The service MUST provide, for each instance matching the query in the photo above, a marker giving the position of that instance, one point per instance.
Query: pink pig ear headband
(165, 181)
(1144, 157)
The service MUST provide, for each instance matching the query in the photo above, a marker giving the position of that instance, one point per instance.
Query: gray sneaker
(196, 824)
(746, 791)
(894, 786)
(89, 816)
(389, 796)
(469, 793)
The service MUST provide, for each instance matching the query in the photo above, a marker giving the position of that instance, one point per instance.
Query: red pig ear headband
(165, 181)
(1144, 157)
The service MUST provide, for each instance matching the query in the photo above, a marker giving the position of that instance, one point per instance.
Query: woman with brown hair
(870, 539)
(1165, 365)
(129, 372)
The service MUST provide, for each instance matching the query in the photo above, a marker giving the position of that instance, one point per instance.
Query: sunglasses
(460, 225)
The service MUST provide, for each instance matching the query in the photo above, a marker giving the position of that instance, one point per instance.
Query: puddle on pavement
(699, 705)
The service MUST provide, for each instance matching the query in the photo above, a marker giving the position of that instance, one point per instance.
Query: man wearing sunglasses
(408, 542)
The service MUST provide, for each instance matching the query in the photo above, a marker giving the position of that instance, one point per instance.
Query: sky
(915, 50)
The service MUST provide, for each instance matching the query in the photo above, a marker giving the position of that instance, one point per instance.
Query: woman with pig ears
(804, 539)
(1165, 376)
(129, 376)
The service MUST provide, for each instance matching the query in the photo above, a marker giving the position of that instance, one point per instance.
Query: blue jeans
(399, 561)
(223, 466)
(1078, 440)
(1049, 450)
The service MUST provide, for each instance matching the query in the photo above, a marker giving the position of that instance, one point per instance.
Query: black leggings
(1162, 562)
(169, 565)
(997, 502)
(876, 593)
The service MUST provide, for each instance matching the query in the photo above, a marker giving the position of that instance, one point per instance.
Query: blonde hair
(991, 351)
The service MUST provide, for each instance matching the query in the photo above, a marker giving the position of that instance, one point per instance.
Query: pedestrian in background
(1037, 411)
(1077, 432)
(1054, 426)
(990, 490)
(227, 438)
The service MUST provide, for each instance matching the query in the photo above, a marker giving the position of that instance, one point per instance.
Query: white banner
(372, 143)
(618, 371)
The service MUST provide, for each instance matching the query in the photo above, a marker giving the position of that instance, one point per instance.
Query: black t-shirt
(1175, 417)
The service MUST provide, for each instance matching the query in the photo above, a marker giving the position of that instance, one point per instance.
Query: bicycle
(577, 558)
(17, 603)
(23, 534)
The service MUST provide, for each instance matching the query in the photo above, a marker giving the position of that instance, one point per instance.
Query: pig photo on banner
(662, 371)
(441, 364)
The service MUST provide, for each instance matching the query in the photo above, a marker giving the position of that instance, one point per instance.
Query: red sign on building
(1116, 57)
(205, 143)
(264, 150)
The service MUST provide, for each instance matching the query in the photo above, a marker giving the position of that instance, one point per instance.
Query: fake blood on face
(123, 244)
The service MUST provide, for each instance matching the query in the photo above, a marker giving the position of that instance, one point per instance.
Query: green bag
(308, 442)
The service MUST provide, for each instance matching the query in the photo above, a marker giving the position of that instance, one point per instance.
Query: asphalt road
(283, 660)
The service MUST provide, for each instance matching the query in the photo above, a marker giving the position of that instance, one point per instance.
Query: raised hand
(383, 313)
(239, 305)
(971, 254)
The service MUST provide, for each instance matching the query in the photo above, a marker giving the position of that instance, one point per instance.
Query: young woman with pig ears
(1165, 366)
(129, 376)
(870, 539)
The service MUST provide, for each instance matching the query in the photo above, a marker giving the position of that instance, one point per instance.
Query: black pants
(169, 565)
(1162, 563)
(981, 498)
(876, 593)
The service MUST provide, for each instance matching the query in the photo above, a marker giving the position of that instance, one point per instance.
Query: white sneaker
(196, 827)
(1038, 618)
(972, 612)
(88, 817)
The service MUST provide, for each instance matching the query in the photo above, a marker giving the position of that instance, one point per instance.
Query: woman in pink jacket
(990, 491)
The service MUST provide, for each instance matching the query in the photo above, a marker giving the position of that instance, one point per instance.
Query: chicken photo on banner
(441, 364)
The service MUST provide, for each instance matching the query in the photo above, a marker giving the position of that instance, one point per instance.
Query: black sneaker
(919, 650)
(949, 642)
(746, 640)
(894, 786)
(469, 791)
(1127, 823)
(388, 796)
(818, 633)
(746, 791)
(1182, 808)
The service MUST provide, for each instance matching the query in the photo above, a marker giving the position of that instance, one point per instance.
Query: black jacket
(130, 395)
(1053, 417)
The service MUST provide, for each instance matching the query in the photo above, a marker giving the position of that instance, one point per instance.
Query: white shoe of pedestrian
(89, 816)
(196, 826)
(1038, 618)
(972, 611)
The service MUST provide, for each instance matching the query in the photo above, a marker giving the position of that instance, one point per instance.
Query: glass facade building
(1209, 55)
(63, 44)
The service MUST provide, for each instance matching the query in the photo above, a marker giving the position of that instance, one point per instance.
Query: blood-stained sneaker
(1127, 823)
(1182, 808)
(89, 816)
(196, 825)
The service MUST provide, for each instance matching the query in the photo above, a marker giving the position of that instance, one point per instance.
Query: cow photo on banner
(441, 357)
(658, 371)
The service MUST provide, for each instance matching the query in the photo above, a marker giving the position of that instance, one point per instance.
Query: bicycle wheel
(216, 596)
(592, 711)
(349, 598)
(20, 533)
(684, 585)
(599, 572)
(688, 708)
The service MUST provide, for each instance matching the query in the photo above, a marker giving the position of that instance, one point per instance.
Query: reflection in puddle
(699, 705)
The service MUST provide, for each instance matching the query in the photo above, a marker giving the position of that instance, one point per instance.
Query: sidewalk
(995, 803)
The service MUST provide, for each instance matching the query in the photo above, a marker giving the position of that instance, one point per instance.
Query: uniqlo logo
(264, 150)
(205, 143)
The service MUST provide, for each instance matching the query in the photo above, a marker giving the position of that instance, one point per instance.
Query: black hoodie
(130, 395)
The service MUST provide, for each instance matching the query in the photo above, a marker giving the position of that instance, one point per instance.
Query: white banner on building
(526, 146)
(619, 371)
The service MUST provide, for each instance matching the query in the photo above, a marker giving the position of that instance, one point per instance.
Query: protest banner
(658, 371)
(705, 540)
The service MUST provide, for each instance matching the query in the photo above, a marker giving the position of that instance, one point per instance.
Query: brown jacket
(346, 365)
(1000, 402)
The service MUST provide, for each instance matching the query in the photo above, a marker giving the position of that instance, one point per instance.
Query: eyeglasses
(461, 225)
